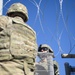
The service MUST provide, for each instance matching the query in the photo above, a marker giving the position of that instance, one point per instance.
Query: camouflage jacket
(17, 39)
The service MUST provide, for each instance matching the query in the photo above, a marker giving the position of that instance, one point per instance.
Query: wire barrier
(59, 34)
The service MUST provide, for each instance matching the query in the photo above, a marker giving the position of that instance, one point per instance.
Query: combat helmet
(46, 47)
(18, 8)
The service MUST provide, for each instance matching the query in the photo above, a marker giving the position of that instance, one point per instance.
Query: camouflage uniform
(45, 63)
(56, 68)
(17, 42)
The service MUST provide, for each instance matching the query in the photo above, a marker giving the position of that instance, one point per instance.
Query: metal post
(50, 64)
(68, 55)
(1, 6)
(67, 68)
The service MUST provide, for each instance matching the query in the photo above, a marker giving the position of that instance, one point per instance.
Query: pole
(68, 55)
(67, 68)
(1, 6)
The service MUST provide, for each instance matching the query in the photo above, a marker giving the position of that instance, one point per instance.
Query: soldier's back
(17, 41)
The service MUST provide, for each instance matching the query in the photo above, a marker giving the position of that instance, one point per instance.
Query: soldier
(17, 42)
(44, 48)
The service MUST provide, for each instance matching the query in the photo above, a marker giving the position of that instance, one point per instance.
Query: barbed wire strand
(57, 40)
(5, 4)
(38, 12)
(69, 33)
(53, 37)
(59, 45)
(71, 49)
(58, 36)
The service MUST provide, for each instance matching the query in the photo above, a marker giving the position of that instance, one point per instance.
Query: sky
(54, 24)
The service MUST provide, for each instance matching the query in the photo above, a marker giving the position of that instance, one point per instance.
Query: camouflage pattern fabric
(44, 70)
(18, 8)
(41, 70)
(17, 47)
(49, 66)
(56, 68)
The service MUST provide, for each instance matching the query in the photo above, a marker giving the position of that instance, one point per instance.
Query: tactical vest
(17, 40)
